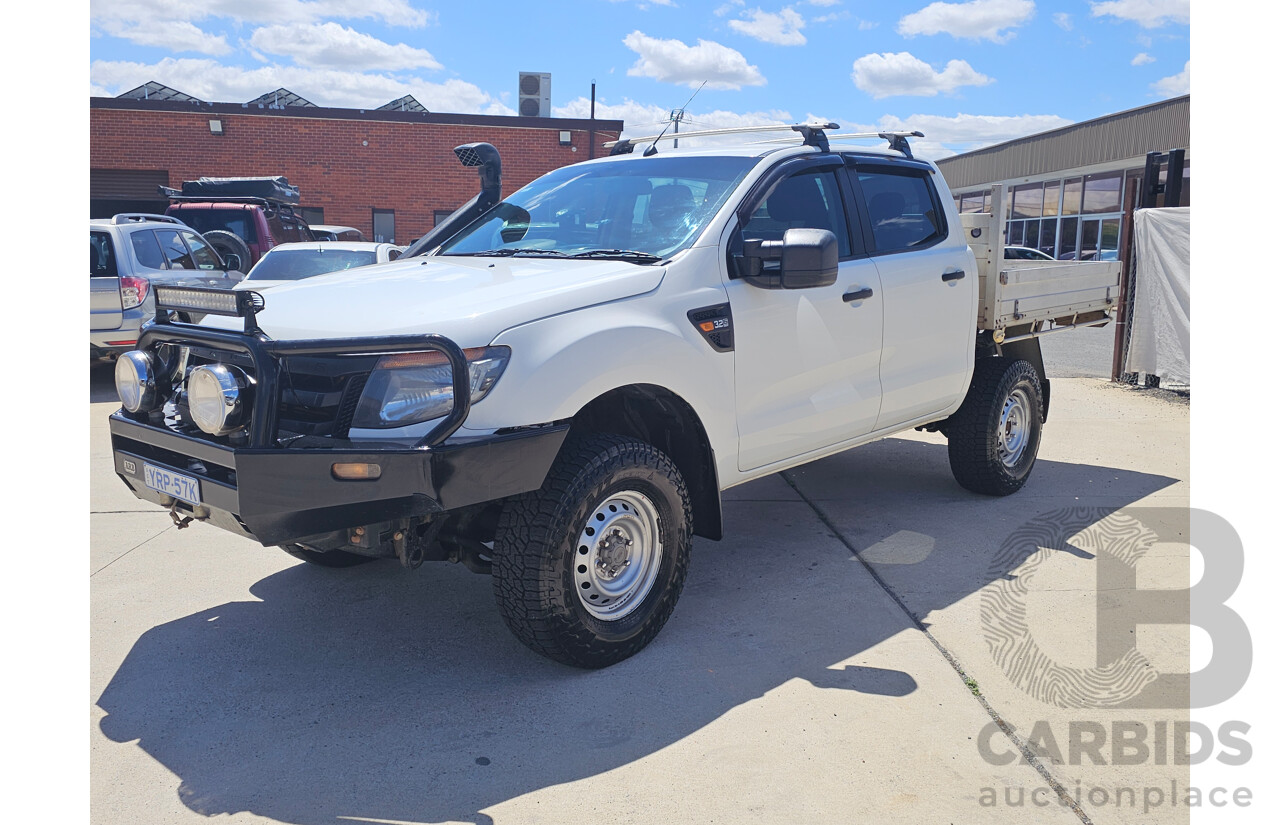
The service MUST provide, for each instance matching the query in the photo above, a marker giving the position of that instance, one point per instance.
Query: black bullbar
(278, 493)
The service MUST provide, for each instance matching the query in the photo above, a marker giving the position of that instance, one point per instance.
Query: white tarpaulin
(1160, 335)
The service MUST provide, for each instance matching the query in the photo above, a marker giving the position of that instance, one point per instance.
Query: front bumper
(281, 495)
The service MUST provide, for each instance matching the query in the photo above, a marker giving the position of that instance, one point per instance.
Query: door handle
(952, 275)
(858, 294)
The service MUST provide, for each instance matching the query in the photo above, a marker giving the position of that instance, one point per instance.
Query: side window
(278, 233)
(809, 200)
(203, 256)
(175, 251)
(102, 256)
(147, 250)
(902, 208)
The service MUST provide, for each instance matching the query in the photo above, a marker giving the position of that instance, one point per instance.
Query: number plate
(176, 485)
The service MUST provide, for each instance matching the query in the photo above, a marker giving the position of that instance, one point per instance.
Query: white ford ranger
(556, 387)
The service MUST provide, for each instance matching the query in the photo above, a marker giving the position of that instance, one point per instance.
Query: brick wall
(349, 167)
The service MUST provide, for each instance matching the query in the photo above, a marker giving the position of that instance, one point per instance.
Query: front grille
(318, 395)
(319, 403)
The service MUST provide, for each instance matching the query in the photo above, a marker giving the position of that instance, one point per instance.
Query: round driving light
(136, 381)
(218, 398)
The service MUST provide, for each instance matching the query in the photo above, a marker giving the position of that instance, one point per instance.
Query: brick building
(350, 164)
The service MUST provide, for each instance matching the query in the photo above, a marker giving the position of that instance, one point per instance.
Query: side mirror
(806, 258)
(233, 262)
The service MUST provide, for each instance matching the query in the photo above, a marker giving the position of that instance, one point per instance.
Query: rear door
(929, 286)
(105, 310)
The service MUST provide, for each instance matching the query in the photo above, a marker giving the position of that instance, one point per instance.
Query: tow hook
(198, 513)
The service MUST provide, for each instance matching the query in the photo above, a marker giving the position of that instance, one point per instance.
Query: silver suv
(130, 253)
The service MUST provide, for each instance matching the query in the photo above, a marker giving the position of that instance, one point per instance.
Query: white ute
(556, 387)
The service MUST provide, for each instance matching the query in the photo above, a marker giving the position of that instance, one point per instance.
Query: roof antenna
(653, 147)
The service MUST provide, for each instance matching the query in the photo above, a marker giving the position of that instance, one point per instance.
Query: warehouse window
(384, 225)
(439, 216)
(312, 215)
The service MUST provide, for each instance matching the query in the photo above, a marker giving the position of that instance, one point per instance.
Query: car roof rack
(813, 132)
(140, 217)
(897, 140)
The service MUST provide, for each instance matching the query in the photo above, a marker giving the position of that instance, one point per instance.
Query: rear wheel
(330, 558)
(992, 440)
(587, 569)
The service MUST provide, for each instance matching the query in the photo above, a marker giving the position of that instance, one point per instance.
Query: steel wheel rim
(617, 557)
(1014, 430)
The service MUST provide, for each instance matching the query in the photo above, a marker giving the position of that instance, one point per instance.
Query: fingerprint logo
(1117, 534)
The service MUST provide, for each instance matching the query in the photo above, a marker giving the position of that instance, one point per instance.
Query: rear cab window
(902, 206)
(238, 222)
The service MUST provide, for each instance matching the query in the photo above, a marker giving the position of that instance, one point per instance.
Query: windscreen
(296, 264)
(655, 206)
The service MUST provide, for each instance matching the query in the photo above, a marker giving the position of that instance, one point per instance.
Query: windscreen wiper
(507, 252)
(623, 254)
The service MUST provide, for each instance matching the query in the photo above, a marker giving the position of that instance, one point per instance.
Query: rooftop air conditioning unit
(535, 94)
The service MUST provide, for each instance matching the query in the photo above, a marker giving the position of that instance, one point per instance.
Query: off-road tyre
(979, 433)
(331, 558)
(229, 243)
(542, 558)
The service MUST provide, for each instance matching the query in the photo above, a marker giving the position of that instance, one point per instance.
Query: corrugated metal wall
(1158, 127)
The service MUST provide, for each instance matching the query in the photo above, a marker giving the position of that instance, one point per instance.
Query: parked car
(241, 217)
(1025, 253)
(328, 232)
(557, 390)
(295, 261)
(128, 255)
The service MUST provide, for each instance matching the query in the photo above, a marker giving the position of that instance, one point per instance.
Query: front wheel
(587, 569)
(992, 440)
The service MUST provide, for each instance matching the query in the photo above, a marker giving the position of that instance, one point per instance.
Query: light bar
(237, 304)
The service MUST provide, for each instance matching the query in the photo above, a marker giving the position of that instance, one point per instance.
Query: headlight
(136, 381)
(411, 387)
(219, 398)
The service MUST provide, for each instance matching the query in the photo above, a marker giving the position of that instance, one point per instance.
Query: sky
(967, 74)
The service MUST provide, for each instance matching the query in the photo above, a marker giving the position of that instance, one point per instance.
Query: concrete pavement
(813, 668)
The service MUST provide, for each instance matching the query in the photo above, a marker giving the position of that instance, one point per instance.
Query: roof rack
(141, 217)
(897, 140)
(813, 132)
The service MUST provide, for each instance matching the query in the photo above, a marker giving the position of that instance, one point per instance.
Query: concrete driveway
(840, 656)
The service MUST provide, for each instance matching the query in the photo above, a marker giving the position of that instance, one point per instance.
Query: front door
(807, 360)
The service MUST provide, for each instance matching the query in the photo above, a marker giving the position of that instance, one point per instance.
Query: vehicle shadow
(374, 694)
(102, 382)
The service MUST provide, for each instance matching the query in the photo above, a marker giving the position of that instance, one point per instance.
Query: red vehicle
(242, 218)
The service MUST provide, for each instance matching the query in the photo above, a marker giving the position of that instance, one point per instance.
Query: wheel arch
(660, 417)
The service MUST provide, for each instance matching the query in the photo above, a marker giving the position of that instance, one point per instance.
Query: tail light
(133, 291)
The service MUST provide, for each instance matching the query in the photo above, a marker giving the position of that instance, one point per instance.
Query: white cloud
(963, 133)
(332, 45)
(173, 35)
(883, 75)
(1149, 14)
(1141, 59)
(213, 81)
(1063, 21)
(975, 20)
(146, 12)
(671, 61)
(726, 8)
(866, 25)
(1174, 85)
(781, 28)
(823, 2)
